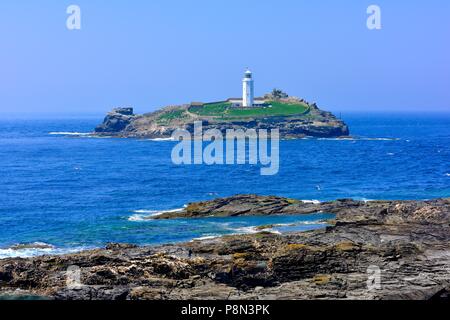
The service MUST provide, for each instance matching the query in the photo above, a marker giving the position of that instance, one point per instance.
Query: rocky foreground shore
(407, 241)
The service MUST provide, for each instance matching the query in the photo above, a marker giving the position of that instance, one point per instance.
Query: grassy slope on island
(167, 117)
(275, 108)
(216, 109)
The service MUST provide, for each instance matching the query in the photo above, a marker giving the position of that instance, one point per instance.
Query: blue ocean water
(76, 192)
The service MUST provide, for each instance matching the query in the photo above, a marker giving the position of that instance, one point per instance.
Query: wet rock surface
(407, 242)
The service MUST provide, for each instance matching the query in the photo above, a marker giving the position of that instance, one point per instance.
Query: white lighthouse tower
(247, 91)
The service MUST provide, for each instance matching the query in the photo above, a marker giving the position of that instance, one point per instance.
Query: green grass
(171, 115)
(276, 109)
(225, 111)
(211, 109)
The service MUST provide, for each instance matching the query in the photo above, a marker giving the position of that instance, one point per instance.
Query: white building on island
(248, 99)
(247, 89)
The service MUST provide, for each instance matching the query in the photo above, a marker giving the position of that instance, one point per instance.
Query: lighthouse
(247, 89)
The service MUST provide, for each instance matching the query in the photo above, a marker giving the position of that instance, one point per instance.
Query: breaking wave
(35, 249)
(62, 133)
(207, 237)
(144, 214)
(355, 139)
(161, 139)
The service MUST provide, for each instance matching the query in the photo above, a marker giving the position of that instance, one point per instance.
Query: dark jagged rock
(116, 121)
(408, 241)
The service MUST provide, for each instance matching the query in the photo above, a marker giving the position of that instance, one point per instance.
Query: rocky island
(407, 241)
(294, 117)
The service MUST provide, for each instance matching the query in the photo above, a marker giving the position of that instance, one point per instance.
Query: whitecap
(381, 139)
(138, 217)
(161, 139)
(447, 174)
(207, 237)
(246, 230)
(337, 139)
(253, 230)
(314, 222)
(353, 139)
(145, 214)
(145, 211)
(62, 133)
(276, 228)
(35, 249)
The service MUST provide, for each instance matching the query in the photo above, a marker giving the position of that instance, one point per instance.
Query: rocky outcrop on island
(407, 243)
(115, 121)
(311, 121)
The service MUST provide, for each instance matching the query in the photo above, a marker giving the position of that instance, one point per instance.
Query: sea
(62, 191)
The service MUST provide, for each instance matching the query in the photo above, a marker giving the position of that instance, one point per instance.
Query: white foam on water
(246, 230)
(206, 237)
(253, 230)
(336, 139)
(381, 139)
(145, 211)
(273, 229)
(145, 214)
(447, 174)
(311, 222)
(365, 200)
(359, 139)
(62, 133)
(138, 217)
(161, 139)
(35, 249)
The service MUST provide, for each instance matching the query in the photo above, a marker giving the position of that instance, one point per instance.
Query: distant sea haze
(64, 192)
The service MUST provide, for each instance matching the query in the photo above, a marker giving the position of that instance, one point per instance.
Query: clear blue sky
(148, 54)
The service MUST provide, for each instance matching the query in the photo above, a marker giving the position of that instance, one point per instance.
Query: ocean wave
(257, 229)
(62, 133)
(207, 237)
(380, 139)
(275, 228)
(145, 214)
(161, 139)
(246, 230)
(314, 222)
(29, 250)
(357, 139)
(447, 174)
(138, 217)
